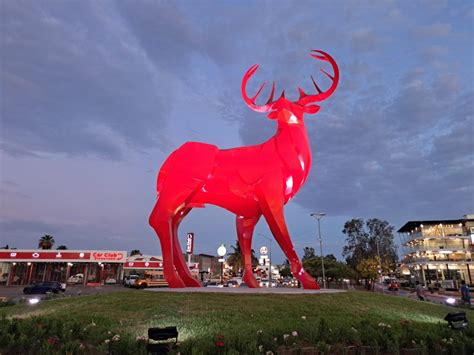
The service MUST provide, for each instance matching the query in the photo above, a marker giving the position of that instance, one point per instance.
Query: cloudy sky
(95, 96)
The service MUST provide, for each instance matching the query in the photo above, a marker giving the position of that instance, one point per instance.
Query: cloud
(75, 84)
(365, 40)
(435, 30)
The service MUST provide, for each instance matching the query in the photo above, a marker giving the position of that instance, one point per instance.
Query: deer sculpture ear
(312, 109)
(273, 115)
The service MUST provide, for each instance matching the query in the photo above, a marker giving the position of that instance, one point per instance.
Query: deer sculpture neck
(251, 182)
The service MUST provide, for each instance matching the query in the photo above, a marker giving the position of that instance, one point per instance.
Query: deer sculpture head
(251, 181)
(305, 102)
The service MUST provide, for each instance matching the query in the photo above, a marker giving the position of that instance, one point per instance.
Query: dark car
(43, 287)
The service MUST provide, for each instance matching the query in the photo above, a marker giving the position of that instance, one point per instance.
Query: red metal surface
(248, 181)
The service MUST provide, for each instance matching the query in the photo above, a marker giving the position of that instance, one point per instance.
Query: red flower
(220, 341)
(51, 340)
(220, 344)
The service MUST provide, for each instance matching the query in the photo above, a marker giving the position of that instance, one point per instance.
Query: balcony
(435, 232)
(445, 259)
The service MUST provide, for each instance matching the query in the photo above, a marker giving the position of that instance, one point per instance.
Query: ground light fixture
(158, 339)
(33, 301)
(457, 321)
(450, 300)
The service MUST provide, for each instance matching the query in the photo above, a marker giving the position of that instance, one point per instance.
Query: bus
(151, 279)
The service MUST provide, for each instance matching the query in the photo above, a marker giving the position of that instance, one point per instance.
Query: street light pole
(318, 216)
(270, 260)
(380, 260)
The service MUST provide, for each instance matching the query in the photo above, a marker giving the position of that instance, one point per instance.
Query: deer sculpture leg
(161, 221)
(271, 203)
(179, 262)
(245, 227)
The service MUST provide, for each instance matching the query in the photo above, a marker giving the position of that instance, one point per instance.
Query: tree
(236, 259)
(308, 253)
(61, 247)
(285, 270)
(368, 240)
(46, 242)
(333, 269)
(135, 252)
(369, 269)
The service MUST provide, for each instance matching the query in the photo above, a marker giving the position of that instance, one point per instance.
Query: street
(16, 292)
(435, 297)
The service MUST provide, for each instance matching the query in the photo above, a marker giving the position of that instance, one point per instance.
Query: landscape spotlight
(33, 301)
(450, 301)
(156, 336)
(457, 321)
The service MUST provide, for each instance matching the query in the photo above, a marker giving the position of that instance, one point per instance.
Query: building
(139, 264)
(87, 267)
(439, 252)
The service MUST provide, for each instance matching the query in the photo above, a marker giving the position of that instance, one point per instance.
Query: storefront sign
(143, 265)
(108, 256)
(42, 255)
(190, 243)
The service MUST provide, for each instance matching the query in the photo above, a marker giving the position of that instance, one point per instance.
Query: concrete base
(238, 290)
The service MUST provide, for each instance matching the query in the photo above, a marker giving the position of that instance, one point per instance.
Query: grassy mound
(229, 323)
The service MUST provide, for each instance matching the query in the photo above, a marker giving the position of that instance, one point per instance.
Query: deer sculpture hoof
(250, 280)
(307, 281)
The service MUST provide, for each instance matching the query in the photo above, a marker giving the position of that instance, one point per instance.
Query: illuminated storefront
(86, 267)
(138, 264)
(440, 252)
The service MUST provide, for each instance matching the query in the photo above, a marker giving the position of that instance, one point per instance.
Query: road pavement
(16, 292)
(435, 297)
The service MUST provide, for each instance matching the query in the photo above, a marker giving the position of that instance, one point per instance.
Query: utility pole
(318, 216)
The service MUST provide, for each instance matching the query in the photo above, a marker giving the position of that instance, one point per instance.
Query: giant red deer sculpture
(248, 181)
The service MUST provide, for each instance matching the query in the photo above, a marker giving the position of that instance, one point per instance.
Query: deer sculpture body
(248, 181)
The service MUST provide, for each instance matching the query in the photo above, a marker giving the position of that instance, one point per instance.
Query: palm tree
(61, 247)
(236, 259)
(46, 242)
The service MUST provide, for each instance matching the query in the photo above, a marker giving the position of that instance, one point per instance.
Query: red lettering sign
(104, 256)
(190, 243)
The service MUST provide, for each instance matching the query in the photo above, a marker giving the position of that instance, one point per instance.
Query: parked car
(232, 283)
(43, 287)
(110, 281)
(76, 279)
(130, 280)
(213, 284)
(265, 283)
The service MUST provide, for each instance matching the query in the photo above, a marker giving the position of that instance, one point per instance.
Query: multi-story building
(439, 252)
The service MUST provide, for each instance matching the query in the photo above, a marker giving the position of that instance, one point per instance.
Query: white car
(265, 283)
(130, 280)
(75, 279)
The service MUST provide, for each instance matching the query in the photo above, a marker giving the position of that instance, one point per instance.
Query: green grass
(247, 321)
